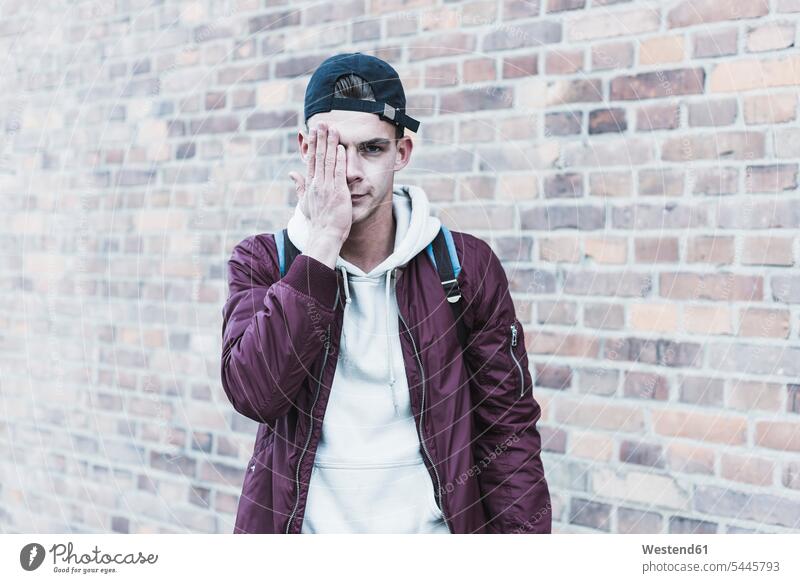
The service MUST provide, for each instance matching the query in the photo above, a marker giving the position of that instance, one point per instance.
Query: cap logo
(388, 111)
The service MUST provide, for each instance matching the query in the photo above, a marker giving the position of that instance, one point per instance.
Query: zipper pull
(253, 468)
(513, 334)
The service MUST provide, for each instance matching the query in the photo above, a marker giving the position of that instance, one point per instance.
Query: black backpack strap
(442, 251)
(286, 250)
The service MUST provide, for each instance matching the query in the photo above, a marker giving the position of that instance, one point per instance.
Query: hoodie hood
(415, 229)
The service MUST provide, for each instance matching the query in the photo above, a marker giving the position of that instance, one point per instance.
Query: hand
(323, 196)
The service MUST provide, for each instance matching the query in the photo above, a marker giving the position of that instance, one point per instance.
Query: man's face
(373, 156)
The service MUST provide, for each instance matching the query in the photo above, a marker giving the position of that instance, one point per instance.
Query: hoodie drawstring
(389, 343)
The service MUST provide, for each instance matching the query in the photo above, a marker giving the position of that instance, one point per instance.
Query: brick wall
(635, 164)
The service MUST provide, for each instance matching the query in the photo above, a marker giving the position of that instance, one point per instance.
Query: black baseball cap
(390, 99)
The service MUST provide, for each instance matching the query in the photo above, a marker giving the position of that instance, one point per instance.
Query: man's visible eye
(372, 149)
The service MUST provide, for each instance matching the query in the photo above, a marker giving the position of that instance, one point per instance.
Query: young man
(374, 417)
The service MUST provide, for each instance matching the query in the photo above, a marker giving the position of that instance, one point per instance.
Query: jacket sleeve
(507, 444)
(272, 329)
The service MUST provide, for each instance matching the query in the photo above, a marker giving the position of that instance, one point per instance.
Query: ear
(403, 147)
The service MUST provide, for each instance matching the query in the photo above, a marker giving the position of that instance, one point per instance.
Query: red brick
(771, 178)
(718, 428)
(661, 50)
(565, 345)
(720, 112)
(604, 316)
(658, 84)
(754, 395)
(618, 55)
(635, 521)
(563, 62)
(608, 24)
(215, 100)
(657, 216)
(661, 182)
(550, 312)
(770, 37)
(568, 185)
(754, 73)
(274, 21)
(575, 91)
(444, 75)
(657, 117)
(591, 514)
(563, 217)
(694, 12)
(764, 323)
(477, 70)
(715, 181)
(520, 66)
(606, 250)
(639, 453)
(610, 184)
(532, 34)
(607, 120)
(768, 251)
(562, 249)
(496, 97)
(516, 9)
(561, 5)
(656, 250)
(642, 385)
(707, 320)
(715, 43)
(598, 413)
(711, 286)
(793, 398)
(710, 249)
(791, 475)
(770, 109)
(553, 377)
(714, 146)
(446, 45)
(607, 284)
(690, 458)
(779, 435)
(563, 123)
(702, 391)
(684, 525)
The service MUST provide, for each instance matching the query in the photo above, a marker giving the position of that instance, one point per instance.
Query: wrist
(324, 247)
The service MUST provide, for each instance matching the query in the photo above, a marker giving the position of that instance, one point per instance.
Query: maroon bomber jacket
(474, 409)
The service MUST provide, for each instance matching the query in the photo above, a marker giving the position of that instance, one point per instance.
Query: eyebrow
(374, 142)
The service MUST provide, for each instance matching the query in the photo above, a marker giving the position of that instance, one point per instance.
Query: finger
(341, 166)
(322, 143)
(311, 154)
(299, 183)
(330, 156)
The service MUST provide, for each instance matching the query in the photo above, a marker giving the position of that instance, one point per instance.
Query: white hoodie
(369, 475)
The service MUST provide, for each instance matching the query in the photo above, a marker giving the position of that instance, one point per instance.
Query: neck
(372, 240)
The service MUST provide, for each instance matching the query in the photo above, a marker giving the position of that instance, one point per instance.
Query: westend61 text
(675, 550)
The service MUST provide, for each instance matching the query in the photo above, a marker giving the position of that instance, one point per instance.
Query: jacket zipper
(419, 427)
(514, 356)
(311, 428)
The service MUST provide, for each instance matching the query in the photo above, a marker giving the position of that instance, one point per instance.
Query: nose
(354, 171)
